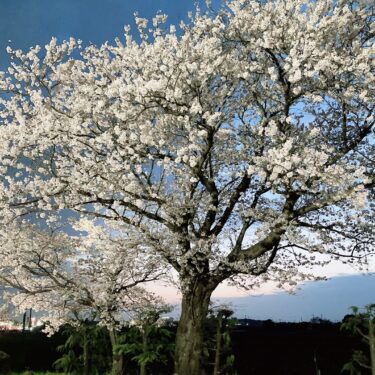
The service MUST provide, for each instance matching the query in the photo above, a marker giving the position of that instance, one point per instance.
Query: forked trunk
(117, 359)
(189, 340)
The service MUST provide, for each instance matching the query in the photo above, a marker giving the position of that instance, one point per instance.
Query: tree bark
(144, 350)
(218, 344)
(189, 339)
(371, 336)
(117, 359)
(86, 361)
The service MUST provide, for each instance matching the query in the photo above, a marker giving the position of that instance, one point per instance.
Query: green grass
(36, 373)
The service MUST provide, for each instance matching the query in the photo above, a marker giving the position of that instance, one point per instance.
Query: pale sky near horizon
(335, 269)
(26, 23)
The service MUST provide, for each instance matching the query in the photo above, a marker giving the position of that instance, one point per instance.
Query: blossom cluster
(217, 145)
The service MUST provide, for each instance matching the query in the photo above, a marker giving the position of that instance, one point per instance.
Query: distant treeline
(292, 348)
(258, 348)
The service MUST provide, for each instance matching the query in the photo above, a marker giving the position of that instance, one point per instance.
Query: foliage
(361, 323)
(148, 341)
(160, 346)
(359, 360)
(219, 325)
(98, 345)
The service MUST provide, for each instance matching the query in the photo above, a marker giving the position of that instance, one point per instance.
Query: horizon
(328, 299)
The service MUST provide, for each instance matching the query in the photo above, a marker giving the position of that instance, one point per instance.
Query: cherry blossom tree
(240, 148)
(98, 277)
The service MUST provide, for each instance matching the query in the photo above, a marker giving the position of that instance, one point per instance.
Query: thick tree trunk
(189, 340)
(117, 359)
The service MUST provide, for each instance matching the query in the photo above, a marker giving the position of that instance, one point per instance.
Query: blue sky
(330, 299)
(30, 22)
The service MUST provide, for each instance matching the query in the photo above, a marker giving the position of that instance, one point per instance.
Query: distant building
(249, 322)
(10, 326)
(319, 320)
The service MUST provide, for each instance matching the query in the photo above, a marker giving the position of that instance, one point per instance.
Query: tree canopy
(240, 145)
